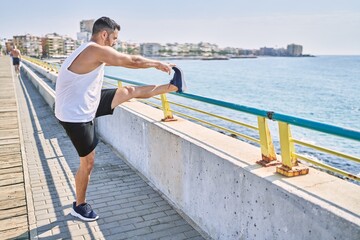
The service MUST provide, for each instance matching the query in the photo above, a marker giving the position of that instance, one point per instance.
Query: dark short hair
(105, 23)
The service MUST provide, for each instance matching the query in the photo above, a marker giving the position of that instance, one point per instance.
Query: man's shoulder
(98, 49)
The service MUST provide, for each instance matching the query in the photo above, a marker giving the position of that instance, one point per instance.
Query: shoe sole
(183, 83)
(75, 214)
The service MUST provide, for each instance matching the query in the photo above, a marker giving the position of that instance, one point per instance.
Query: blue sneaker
(84, 212)
(178, 80)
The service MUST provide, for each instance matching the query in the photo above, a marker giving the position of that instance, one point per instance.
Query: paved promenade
(128, 206)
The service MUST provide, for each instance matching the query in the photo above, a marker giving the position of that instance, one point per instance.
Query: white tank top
(78, 95)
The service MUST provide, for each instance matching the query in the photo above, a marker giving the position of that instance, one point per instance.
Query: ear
(104, 34)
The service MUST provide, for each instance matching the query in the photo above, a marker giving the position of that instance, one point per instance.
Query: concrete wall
(47, 93)
(214, 180)
(44, 72)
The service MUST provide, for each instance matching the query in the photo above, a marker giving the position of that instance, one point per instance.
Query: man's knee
(130, 90)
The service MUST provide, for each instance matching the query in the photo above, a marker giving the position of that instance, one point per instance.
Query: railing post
(52, 67)
(168, 116)
(268, 154)
(289, 165)
(56, 69)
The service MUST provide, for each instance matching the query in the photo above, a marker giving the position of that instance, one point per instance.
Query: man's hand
(165, 67)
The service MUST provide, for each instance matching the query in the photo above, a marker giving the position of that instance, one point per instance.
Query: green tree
(130, 50)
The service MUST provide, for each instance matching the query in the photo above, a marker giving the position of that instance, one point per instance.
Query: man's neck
(96, 40)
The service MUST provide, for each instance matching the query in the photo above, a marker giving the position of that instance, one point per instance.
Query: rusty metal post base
(268, 162)
(292, 172)
(169, 119)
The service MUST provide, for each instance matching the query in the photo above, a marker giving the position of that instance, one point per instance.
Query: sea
(322, 88)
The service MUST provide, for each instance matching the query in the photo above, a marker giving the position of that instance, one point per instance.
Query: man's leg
(124, 94)
(83, 176)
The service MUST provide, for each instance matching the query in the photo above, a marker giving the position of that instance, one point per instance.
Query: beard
(107, 42)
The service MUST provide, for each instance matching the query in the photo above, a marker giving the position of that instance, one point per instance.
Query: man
(79, 97)
(16, 56)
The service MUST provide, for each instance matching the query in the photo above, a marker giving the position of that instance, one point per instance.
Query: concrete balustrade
(214, 180)
(45, 72)
(46, 92)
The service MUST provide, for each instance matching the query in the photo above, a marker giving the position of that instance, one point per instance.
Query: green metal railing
(289, 163)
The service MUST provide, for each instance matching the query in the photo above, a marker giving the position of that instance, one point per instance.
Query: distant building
(9, 45)
(184, 49)
(128, 47)
(193, 49)
(57, 46)
(122, 46)
(53, 45)
(150, 49)
(207, 49)
(170, 49)
(86, 25)
(83, 36)
(281, 52)
(265, 51)
(294, 50)
(28, 45)
(231, 51)
(2, 45)
(69, 45)
(85, 30)
(248, 52)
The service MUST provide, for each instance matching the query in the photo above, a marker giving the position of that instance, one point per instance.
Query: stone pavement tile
(178, 236)
(128, 234)
(168, 232)
(128, 207)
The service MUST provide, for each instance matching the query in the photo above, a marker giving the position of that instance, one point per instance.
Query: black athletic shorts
(16, 61)
(83, 135)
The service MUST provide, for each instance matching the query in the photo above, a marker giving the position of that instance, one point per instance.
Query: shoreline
(221, 58)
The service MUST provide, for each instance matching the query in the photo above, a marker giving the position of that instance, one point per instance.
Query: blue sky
(322, 27)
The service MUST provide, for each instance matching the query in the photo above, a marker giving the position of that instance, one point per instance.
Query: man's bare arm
(111, 57)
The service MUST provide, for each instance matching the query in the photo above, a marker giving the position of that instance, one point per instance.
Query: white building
(171, 49)
(150, 49)
(54, 45)
(2, 45)
(28, 45)
(294, 50)
(85, 30)
(184, 49)
(69, 45)
(83, 36)
(86, 25)
(57, 46)
(207, 48)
